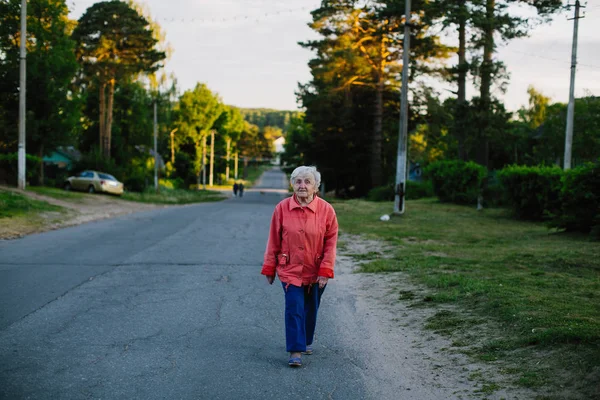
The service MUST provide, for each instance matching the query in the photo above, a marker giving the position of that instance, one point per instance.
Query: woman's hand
(322, 281)
(270, 279)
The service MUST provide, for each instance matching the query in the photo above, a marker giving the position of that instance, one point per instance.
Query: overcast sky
(247, 51)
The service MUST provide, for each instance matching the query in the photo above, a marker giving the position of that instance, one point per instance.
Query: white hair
(304, 170)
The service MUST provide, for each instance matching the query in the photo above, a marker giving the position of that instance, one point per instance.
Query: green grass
(57, 193)
(539, 289)
(173, 196)
(15, 205)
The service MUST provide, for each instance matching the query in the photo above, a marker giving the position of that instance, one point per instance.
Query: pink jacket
(302, 242)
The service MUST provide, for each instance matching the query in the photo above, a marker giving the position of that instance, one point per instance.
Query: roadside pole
(235, 174)
(400, 186)
(212, 157)
(22, 87)
(204, 162)
(571, 106)
(155, 149)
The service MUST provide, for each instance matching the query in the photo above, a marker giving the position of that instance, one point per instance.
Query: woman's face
(304, 186)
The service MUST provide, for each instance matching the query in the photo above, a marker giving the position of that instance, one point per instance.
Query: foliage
(114, 42)
(263, 117)
(414, 190)
(521, 292)
(532, 192)
(9, 168)
(351, 102)
(52, 109)
(580, 200)
(456, 181)
(196, 113)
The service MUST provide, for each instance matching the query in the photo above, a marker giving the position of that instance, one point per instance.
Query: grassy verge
(525, 298)
(14, 205)
(20, 215)
(167, 196)
(57, 193)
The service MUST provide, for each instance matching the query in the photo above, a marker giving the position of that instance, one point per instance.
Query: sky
(247, 51)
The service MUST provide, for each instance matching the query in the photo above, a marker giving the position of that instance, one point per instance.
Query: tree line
(350, 126)
(92, 84)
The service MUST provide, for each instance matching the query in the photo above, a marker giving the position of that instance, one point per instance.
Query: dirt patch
(90, 207)
(419, 331)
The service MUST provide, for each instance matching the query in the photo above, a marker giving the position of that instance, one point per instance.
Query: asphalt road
(170, 304)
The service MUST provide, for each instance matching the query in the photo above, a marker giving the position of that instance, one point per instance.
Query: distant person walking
(241, 188)
(301, 251)
(235, 189)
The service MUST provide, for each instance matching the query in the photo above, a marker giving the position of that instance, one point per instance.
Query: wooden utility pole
(401, 161)
(571, 107)
(155, 149)
(212, 157)
(172, 134)
(204, 162)
(235, 174)
(228, 158)
(22, 86)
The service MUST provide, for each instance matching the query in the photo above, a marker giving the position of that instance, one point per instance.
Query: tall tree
(113, 42)
(358, 59)
(196, 113)
(497, 19)
(230, 126)
(52, 109)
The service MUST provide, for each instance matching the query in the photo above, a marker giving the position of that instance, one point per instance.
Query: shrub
(532, 192)
(381, 193)
(418, 190)
(9, 168)
(580, 200)
(456, 181)
(414, 190)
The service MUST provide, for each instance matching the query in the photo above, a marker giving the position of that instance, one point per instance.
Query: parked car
(94, 181)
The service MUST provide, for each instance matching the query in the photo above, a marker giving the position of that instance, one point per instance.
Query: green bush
(580, 200)
(381, 193)
(456, 181)
(418, 190)
(414, 190)
(532, 192)
(9, 168)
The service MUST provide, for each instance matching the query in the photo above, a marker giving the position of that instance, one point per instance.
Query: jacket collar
(312, 206)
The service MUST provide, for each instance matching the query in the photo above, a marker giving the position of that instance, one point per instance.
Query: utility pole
(172, 134)
(571, 107)
(212, 157)
(22, 84)
(235, 173)
(204, 162)
(228, 157)
(401, 162)
(155, 149)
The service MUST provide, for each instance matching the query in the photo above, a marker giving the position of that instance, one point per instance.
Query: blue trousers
(301, 307)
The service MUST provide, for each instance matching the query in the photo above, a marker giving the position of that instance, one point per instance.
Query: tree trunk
(109, 115)
(486, 83)
(377, 135)
(102, 117)
(461, 101)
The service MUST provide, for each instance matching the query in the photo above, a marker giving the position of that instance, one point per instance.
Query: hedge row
(566, 200)
(9, 168)
(456, 181)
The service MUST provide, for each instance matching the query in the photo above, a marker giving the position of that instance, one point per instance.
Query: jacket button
(301, 230)
(301, 248)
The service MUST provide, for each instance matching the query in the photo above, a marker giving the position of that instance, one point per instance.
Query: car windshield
(107, 177)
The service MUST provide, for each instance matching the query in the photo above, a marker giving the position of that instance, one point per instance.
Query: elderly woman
(301, 251)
